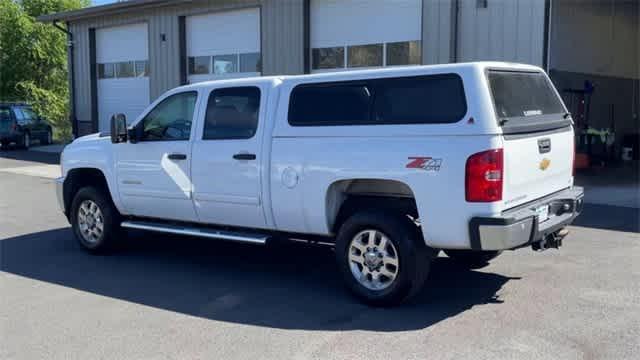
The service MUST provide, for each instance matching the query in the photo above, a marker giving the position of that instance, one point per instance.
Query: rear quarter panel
(319, 162)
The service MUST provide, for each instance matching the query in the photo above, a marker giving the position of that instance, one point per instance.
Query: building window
(368, 55)
(123, 69)
(199, 65)
(404, 53)
(142, 68)
(328, 58)
(106, 71)
(224, 64)
(250, 62)
(364, 55)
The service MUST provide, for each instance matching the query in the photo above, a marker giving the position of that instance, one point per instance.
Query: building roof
(108, 9)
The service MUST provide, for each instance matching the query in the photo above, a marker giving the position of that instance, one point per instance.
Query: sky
(102, 2)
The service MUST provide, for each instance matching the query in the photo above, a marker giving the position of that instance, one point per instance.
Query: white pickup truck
(391, 165)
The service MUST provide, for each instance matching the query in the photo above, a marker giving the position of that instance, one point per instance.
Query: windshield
(523, 94)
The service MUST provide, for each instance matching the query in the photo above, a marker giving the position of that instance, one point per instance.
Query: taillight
(483, 176)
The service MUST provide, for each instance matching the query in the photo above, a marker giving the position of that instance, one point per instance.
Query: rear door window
(429, 99)
(232, 113)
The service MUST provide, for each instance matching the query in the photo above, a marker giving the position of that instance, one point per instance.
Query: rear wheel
(472, 259)
(95, 220)
(382, 257)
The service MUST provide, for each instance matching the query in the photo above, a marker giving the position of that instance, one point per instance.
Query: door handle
(244, 156)
(177, 156)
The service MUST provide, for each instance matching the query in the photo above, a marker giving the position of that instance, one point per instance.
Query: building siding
(281, 32)
(452, 30)
(506, 30)
(438, 31)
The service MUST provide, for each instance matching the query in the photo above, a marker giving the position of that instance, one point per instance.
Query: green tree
(33, 59)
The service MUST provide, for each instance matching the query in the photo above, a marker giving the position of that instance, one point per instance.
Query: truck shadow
(609, 217)
(286, 286)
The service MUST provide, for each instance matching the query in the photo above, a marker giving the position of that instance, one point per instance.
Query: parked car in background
(19, 124)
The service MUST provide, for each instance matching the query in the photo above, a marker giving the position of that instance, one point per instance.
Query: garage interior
(594, 61)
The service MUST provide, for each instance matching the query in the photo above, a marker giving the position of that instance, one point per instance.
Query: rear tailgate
(531, 172)
(538, 136)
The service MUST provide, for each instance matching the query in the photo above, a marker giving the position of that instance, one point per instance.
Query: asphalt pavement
(167, 297)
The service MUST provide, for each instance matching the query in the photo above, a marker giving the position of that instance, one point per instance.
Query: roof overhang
(108, 9)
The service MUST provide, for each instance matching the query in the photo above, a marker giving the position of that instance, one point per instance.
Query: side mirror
(118, 128)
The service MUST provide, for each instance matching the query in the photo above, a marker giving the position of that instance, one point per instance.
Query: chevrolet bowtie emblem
(544, 164)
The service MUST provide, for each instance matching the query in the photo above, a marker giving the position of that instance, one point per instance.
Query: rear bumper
(519, 227)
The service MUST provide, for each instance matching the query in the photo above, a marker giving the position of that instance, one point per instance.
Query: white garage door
(122, 55)
(223, 45)
(365, 33)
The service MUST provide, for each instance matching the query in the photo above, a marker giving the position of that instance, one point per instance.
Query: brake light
(484, 175)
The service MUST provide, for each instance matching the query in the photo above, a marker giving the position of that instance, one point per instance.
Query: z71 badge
(424, 163)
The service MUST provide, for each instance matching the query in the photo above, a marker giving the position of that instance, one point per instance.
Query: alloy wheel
(90, 221)
(373, 259)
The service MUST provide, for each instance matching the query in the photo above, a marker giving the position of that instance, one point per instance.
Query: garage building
(124, 55)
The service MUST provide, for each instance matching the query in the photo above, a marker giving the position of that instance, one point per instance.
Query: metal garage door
(365, 33)
(122, 55)
(223, 45)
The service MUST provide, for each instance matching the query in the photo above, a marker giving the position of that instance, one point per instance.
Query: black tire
(471, 259)
(4, 145)
(25, 141)
(111, 231)
(48, 138)
(414, 257)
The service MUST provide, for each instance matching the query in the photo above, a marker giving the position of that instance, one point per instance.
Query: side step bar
(196, 231)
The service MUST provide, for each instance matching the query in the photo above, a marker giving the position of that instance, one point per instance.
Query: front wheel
(26, 141)
(95, 220)
(48, 138)
(472, 259)
(382, 257)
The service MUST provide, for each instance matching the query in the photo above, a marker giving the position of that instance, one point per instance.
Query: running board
(196, 231)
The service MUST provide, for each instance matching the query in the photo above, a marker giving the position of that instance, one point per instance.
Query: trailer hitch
(550, 241)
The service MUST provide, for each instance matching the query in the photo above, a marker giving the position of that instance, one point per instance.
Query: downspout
(306, 36)
(70, 68)
(546, 50)
(455, 31)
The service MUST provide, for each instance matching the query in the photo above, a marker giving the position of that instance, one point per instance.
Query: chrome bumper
(60, 193)
(519, 227)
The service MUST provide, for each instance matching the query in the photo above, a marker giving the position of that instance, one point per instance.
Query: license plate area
(543, 213)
